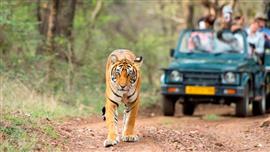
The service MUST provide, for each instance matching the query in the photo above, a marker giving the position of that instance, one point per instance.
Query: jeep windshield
(210, 42)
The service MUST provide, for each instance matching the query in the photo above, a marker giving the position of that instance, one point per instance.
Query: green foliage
(16, 121)
(50, 131)
(13, 132)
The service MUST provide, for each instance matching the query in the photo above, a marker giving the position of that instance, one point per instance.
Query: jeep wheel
(258, 107)
(242, 105)
(188, 107)
(267, 103)
(168, 105)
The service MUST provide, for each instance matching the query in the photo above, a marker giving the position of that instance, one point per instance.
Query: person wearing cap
(262, 19)
(255, 39)
(238, 23)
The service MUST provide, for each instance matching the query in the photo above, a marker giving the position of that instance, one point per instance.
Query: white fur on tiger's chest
(122, 96)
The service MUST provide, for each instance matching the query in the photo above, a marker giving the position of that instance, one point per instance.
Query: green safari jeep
(216, 67)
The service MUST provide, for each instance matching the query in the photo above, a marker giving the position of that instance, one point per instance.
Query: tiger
(123, 83)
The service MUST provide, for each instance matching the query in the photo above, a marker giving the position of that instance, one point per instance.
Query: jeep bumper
(219, 91)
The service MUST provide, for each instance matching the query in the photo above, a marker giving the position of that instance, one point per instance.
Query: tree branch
(96, 11)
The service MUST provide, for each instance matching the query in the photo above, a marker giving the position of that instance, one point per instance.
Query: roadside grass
(16, 95)
(25, 117)
(21, 132)
(211, 117)
(50, 131)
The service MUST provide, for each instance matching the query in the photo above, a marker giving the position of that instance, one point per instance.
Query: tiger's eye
(130, 70)
(113, 78)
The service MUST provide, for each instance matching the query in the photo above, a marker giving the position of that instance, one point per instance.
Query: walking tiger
(123, 82)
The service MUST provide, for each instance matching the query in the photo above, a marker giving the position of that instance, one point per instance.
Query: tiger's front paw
(130, 138)
(109, 142)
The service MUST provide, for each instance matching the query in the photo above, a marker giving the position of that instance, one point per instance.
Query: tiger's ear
(138, 61)
(114, 59)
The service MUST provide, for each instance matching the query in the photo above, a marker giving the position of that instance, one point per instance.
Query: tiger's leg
(111, 123)
(128, 134)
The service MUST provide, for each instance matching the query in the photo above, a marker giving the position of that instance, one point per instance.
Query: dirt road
(201, 132)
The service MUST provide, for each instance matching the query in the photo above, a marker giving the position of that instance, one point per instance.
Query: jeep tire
(267, 103)
(258, 107)
(168, 105)
(188, 107)
(242, 105)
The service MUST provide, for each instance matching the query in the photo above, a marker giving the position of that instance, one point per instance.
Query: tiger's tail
(103, 113)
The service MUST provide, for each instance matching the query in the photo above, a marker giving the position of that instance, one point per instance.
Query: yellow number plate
(199, 90)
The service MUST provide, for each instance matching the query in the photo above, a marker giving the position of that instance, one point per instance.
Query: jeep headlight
(229, 78)
(175, 76)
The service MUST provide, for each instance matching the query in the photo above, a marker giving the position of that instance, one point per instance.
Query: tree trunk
(55, 25)
(266, 5)
(64, 17)
(91, 24)
(212, 7)
(162, 18)
(189, 13)
(46, 11)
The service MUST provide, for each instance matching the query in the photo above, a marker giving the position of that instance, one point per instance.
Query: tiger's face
(124, 75)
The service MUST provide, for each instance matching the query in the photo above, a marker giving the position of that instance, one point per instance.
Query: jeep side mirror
(172, 51)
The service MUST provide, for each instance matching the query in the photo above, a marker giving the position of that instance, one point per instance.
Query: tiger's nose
(122, 87)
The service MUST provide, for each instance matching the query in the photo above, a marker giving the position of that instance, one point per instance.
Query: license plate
(200, 90)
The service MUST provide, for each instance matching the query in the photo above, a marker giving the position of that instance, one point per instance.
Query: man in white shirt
(255, 38)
